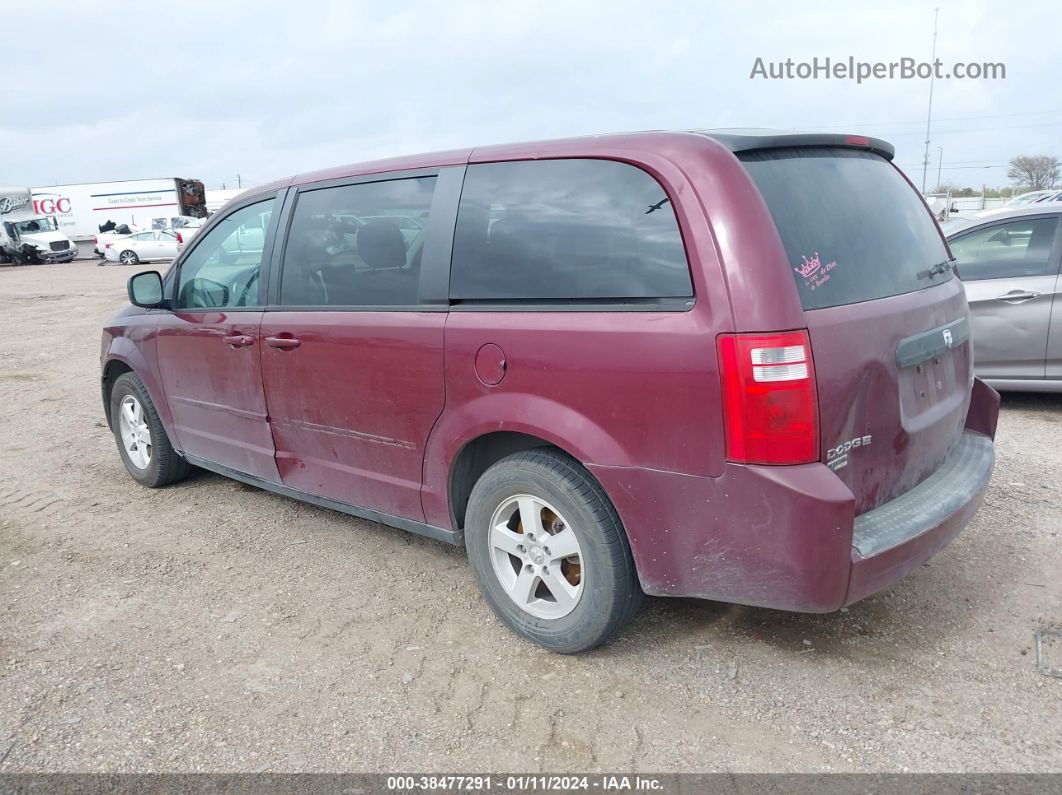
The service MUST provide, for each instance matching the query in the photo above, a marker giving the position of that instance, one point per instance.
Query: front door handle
(239, 340)
(1017, 296)
(283, 343)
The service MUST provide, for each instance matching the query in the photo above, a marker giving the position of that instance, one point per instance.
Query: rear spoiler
(746, 140)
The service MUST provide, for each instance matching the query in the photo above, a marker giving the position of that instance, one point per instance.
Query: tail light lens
(180, 239)
(769, 398)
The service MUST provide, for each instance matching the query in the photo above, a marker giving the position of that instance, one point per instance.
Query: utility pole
(929, 111)
(940, 162)
(239, 182)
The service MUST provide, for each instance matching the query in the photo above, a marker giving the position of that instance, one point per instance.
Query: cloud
(265, 89)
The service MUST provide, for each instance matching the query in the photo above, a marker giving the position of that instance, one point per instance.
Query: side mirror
(145, 290)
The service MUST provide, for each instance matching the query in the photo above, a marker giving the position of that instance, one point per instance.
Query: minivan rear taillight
(770, 404)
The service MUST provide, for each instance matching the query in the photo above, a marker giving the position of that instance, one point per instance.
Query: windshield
(35, 225)
(853, 228)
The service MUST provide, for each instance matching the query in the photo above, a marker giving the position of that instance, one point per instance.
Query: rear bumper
(893, 540)
(787, 537)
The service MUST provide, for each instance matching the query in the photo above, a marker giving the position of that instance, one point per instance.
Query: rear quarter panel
(622, 389)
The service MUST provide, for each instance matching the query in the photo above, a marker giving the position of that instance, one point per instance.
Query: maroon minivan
(729, 365)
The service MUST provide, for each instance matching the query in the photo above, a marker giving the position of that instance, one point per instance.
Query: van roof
(618, 145)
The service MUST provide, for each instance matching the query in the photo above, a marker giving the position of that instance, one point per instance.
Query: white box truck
(28, 236)
(82, 209)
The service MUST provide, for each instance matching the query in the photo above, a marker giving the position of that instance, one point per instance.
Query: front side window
(223, 268)
(566, 230)
(357, 245)
(1010, 250)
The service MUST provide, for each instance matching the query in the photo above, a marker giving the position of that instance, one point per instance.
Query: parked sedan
(1009, 263)
(143, 247)
(1029, 198)
(184, 227)
(106, 239)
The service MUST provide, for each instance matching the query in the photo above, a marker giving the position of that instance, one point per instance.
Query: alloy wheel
(536, 556)
(135, 433)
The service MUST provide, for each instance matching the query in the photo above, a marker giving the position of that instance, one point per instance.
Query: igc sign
(50, 206)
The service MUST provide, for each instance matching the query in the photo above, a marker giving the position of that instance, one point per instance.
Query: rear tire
(567, 604)
(129, 257)
(142, 441)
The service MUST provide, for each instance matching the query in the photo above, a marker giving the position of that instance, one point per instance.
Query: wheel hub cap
(536, 557)
(135, 433)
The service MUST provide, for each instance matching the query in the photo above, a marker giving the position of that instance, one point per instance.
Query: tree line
(1028, 172)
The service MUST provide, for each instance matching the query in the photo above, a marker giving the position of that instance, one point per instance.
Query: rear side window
(853, 228)
(548, 230)
(357, 245)
(1002, 251)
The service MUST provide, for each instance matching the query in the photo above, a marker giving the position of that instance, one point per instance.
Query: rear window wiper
(940, 267)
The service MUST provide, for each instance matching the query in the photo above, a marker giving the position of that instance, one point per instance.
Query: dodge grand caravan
(726, 365)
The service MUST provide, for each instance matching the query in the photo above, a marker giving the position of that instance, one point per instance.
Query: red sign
(51, 206)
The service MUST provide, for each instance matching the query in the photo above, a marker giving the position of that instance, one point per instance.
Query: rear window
(853, 228)
(566, 230)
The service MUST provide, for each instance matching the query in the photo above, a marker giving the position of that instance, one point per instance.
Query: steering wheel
(251, 283)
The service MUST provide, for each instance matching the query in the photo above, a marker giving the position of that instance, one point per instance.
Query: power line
(983, 129)
(947, 118)
(954, 168)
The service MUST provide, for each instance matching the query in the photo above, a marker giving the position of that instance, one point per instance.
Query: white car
(1030, 198)
(106, 239)
(142, 247)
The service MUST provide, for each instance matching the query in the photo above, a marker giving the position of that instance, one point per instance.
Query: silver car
(1009, 262)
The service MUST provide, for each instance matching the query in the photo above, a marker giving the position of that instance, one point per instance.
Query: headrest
(381, 245)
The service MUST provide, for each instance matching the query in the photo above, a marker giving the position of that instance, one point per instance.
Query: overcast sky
(113, 90)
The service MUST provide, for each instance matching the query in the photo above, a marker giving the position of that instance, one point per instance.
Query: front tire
(128, 257)
(549, 552)
(142, 442)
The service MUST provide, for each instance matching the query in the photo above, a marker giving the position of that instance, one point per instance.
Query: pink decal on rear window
(814, 271)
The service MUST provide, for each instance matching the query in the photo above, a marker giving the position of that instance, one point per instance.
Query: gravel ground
(215, 627)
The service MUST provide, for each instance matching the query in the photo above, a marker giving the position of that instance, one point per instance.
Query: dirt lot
(215, 627)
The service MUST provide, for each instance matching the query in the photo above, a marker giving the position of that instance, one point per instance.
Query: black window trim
(435, 261)
(683, 304)
(173, 276)
(656, 304)
(1054, 261)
